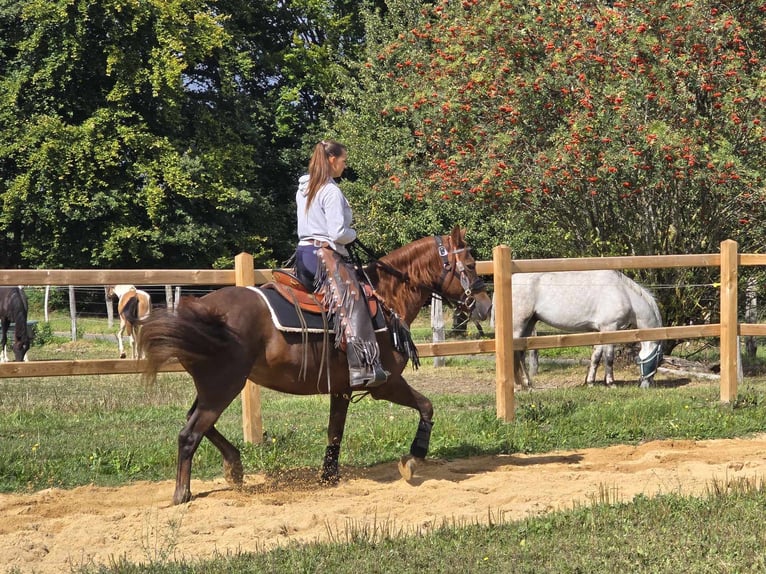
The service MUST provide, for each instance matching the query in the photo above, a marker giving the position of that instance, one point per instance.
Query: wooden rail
(502, 267)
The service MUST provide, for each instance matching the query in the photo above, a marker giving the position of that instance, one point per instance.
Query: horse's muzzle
(482, 306)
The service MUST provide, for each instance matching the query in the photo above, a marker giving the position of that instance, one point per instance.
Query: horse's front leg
(418, 450)
(400, 393)
(4, 341)
(609, 365)
(338, 412)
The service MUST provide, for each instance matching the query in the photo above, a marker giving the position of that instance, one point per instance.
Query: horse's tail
(130, 310)
(194, 332)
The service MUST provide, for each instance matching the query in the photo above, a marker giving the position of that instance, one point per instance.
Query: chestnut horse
(228, 336)
(132, 306)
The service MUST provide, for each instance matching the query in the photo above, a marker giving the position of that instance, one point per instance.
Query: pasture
(92, 459)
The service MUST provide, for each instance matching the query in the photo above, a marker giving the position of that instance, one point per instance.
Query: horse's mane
(413, 258)
(644, 293)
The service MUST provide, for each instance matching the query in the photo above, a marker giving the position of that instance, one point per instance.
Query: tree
(568, 129)
(159, 133)
(95, 167)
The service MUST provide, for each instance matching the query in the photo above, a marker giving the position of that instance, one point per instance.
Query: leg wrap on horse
(352, 323)
(330, 468)
(419, 448)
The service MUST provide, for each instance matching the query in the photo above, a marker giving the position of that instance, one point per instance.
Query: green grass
(110, 429)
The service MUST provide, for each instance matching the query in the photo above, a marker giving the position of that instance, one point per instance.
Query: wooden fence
(502, 267)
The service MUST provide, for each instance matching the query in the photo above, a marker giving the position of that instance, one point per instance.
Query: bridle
(467, 302)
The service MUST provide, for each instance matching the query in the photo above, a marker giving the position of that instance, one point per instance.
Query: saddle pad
(285, 317)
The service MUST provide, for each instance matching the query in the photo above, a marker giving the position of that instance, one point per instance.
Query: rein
(375, 260)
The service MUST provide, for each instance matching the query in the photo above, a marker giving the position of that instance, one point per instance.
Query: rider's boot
(364, 368)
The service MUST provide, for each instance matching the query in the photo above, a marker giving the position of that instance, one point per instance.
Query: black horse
(14, 308)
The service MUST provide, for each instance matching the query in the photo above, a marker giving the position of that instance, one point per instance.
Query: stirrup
(367, 377)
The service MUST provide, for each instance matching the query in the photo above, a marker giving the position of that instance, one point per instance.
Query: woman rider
(324, 231)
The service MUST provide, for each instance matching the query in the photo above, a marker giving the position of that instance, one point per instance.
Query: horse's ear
(457, 236)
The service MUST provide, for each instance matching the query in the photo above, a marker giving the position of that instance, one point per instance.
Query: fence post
(252, 424)
(729, 347)
(437, 327)
(72, 313)
(504, 368)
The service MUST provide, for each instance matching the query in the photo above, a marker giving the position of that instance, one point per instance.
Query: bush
(43, 334)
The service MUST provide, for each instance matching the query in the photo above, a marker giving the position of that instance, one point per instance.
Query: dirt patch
(52, 530)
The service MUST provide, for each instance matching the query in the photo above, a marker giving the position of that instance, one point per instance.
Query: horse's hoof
(407, 466)
(182, 498)
(234, 473)
(329, 479)
(122, 355)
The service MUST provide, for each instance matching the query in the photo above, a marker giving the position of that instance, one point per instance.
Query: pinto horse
(14, 308)
(132, 306)
(228, 336)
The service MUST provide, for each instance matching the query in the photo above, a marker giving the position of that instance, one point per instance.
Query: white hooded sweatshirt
(329, 217)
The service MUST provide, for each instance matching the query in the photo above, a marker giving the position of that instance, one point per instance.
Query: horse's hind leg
(338, 412)
(232, 461)
(120, 346)
(595, 359)
(132, 341)
(199, 423)
(520, 371)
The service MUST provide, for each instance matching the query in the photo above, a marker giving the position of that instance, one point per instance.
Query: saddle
(286, 287)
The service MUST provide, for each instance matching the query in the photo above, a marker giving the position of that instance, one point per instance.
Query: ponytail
(319, 166)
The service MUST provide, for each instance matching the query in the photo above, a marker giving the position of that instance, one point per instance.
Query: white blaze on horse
(583, 301)
(133, 305)
(14, 308)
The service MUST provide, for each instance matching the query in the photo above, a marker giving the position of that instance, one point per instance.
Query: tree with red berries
(567, 129)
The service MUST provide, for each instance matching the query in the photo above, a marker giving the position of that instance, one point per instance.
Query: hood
(303, 185)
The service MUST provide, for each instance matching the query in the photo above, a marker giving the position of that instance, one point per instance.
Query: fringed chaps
(347, 306)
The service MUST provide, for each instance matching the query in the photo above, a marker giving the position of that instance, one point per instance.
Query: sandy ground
(53, 530)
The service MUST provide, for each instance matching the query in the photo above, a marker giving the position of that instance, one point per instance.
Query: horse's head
(649, 358)
(459, 281)
(21, 343)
